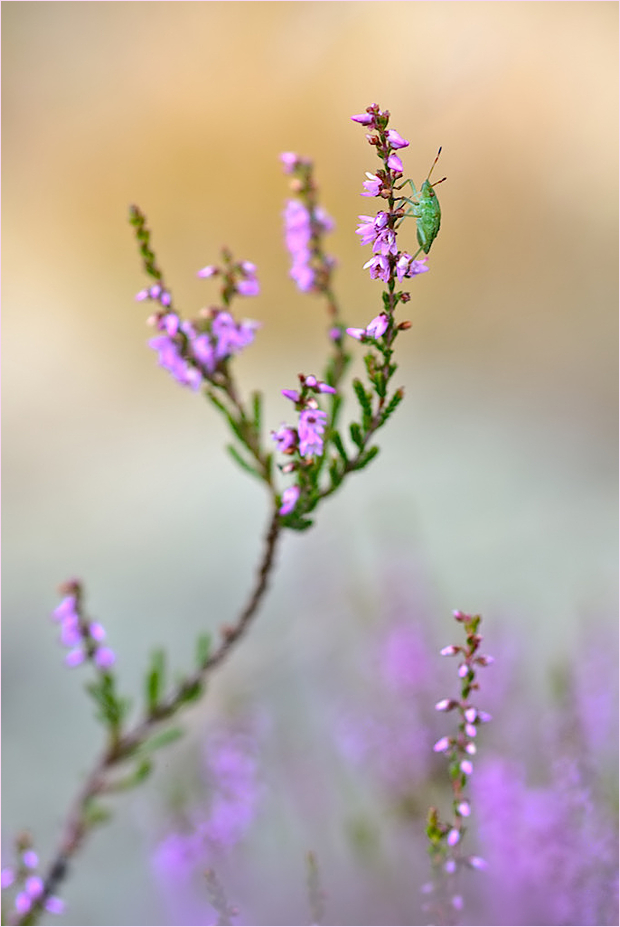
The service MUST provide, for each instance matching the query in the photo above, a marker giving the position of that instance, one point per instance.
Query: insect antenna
(431, 170)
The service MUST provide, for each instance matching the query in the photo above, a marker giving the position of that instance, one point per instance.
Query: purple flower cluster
(245, 282)
(387, 262)
(231, 769)
(155, 292)
(24, 874)
(305, 223)
(82, 636)
(300, 227)
(553, 855)
(193, 351)
(307, 438)
(462, 746)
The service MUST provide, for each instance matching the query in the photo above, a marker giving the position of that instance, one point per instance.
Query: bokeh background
(495, 491)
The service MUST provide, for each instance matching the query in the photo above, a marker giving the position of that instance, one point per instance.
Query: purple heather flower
(442, 745)
(96, 631)
(356, 333)
(477, 862)
(379, 267)
(66, 609)
(407, 267)
(169, 323)
(445, 704)
(450, 651)
(372, 185)
(395, 164)
(70, 632)
(289, 500)
(104, 657)
(466, 766)
(457, 902)
(23, 903)
(364, 119)
(204, 352)
(318, 385)
(453, 837)
(209, 271)
(7, 877)
(289, 160)
(34, 886)
(385, 242)
(249, 285)
(311, 427)
(291, 394)
(55, 905)
(378, 326)
(396, 140)
(367, 229)
(285, 438)
(75, 657)
(464, 809)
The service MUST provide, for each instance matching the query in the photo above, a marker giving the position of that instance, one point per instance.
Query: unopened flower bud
(446, 704)
(449, 651)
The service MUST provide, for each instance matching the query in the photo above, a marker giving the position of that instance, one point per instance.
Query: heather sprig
(199, 353)
(446, 836)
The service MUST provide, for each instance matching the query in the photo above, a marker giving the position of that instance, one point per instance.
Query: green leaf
(356, 434)
(236, 456)
(155, 680)
(189, 693)
(335, 473)
(157, 741)
(203, 648)
(257, 410)
(337, 442)
(394, 402)
(366, 458)
(112, 708)
(133, 779)
(95, 814)
(364, 401)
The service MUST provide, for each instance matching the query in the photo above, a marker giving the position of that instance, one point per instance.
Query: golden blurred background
(496, 487)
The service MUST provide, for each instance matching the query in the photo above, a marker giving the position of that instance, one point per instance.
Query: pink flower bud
(364, 119)
(445, 704)
(477, 862)
(442, 745)
(449, 651)
(395, 164)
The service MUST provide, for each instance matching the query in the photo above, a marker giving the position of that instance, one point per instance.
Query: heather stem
(80, 818)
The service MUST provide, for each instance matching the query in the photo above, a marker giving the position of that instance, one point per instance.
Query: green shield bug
(425, 208)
